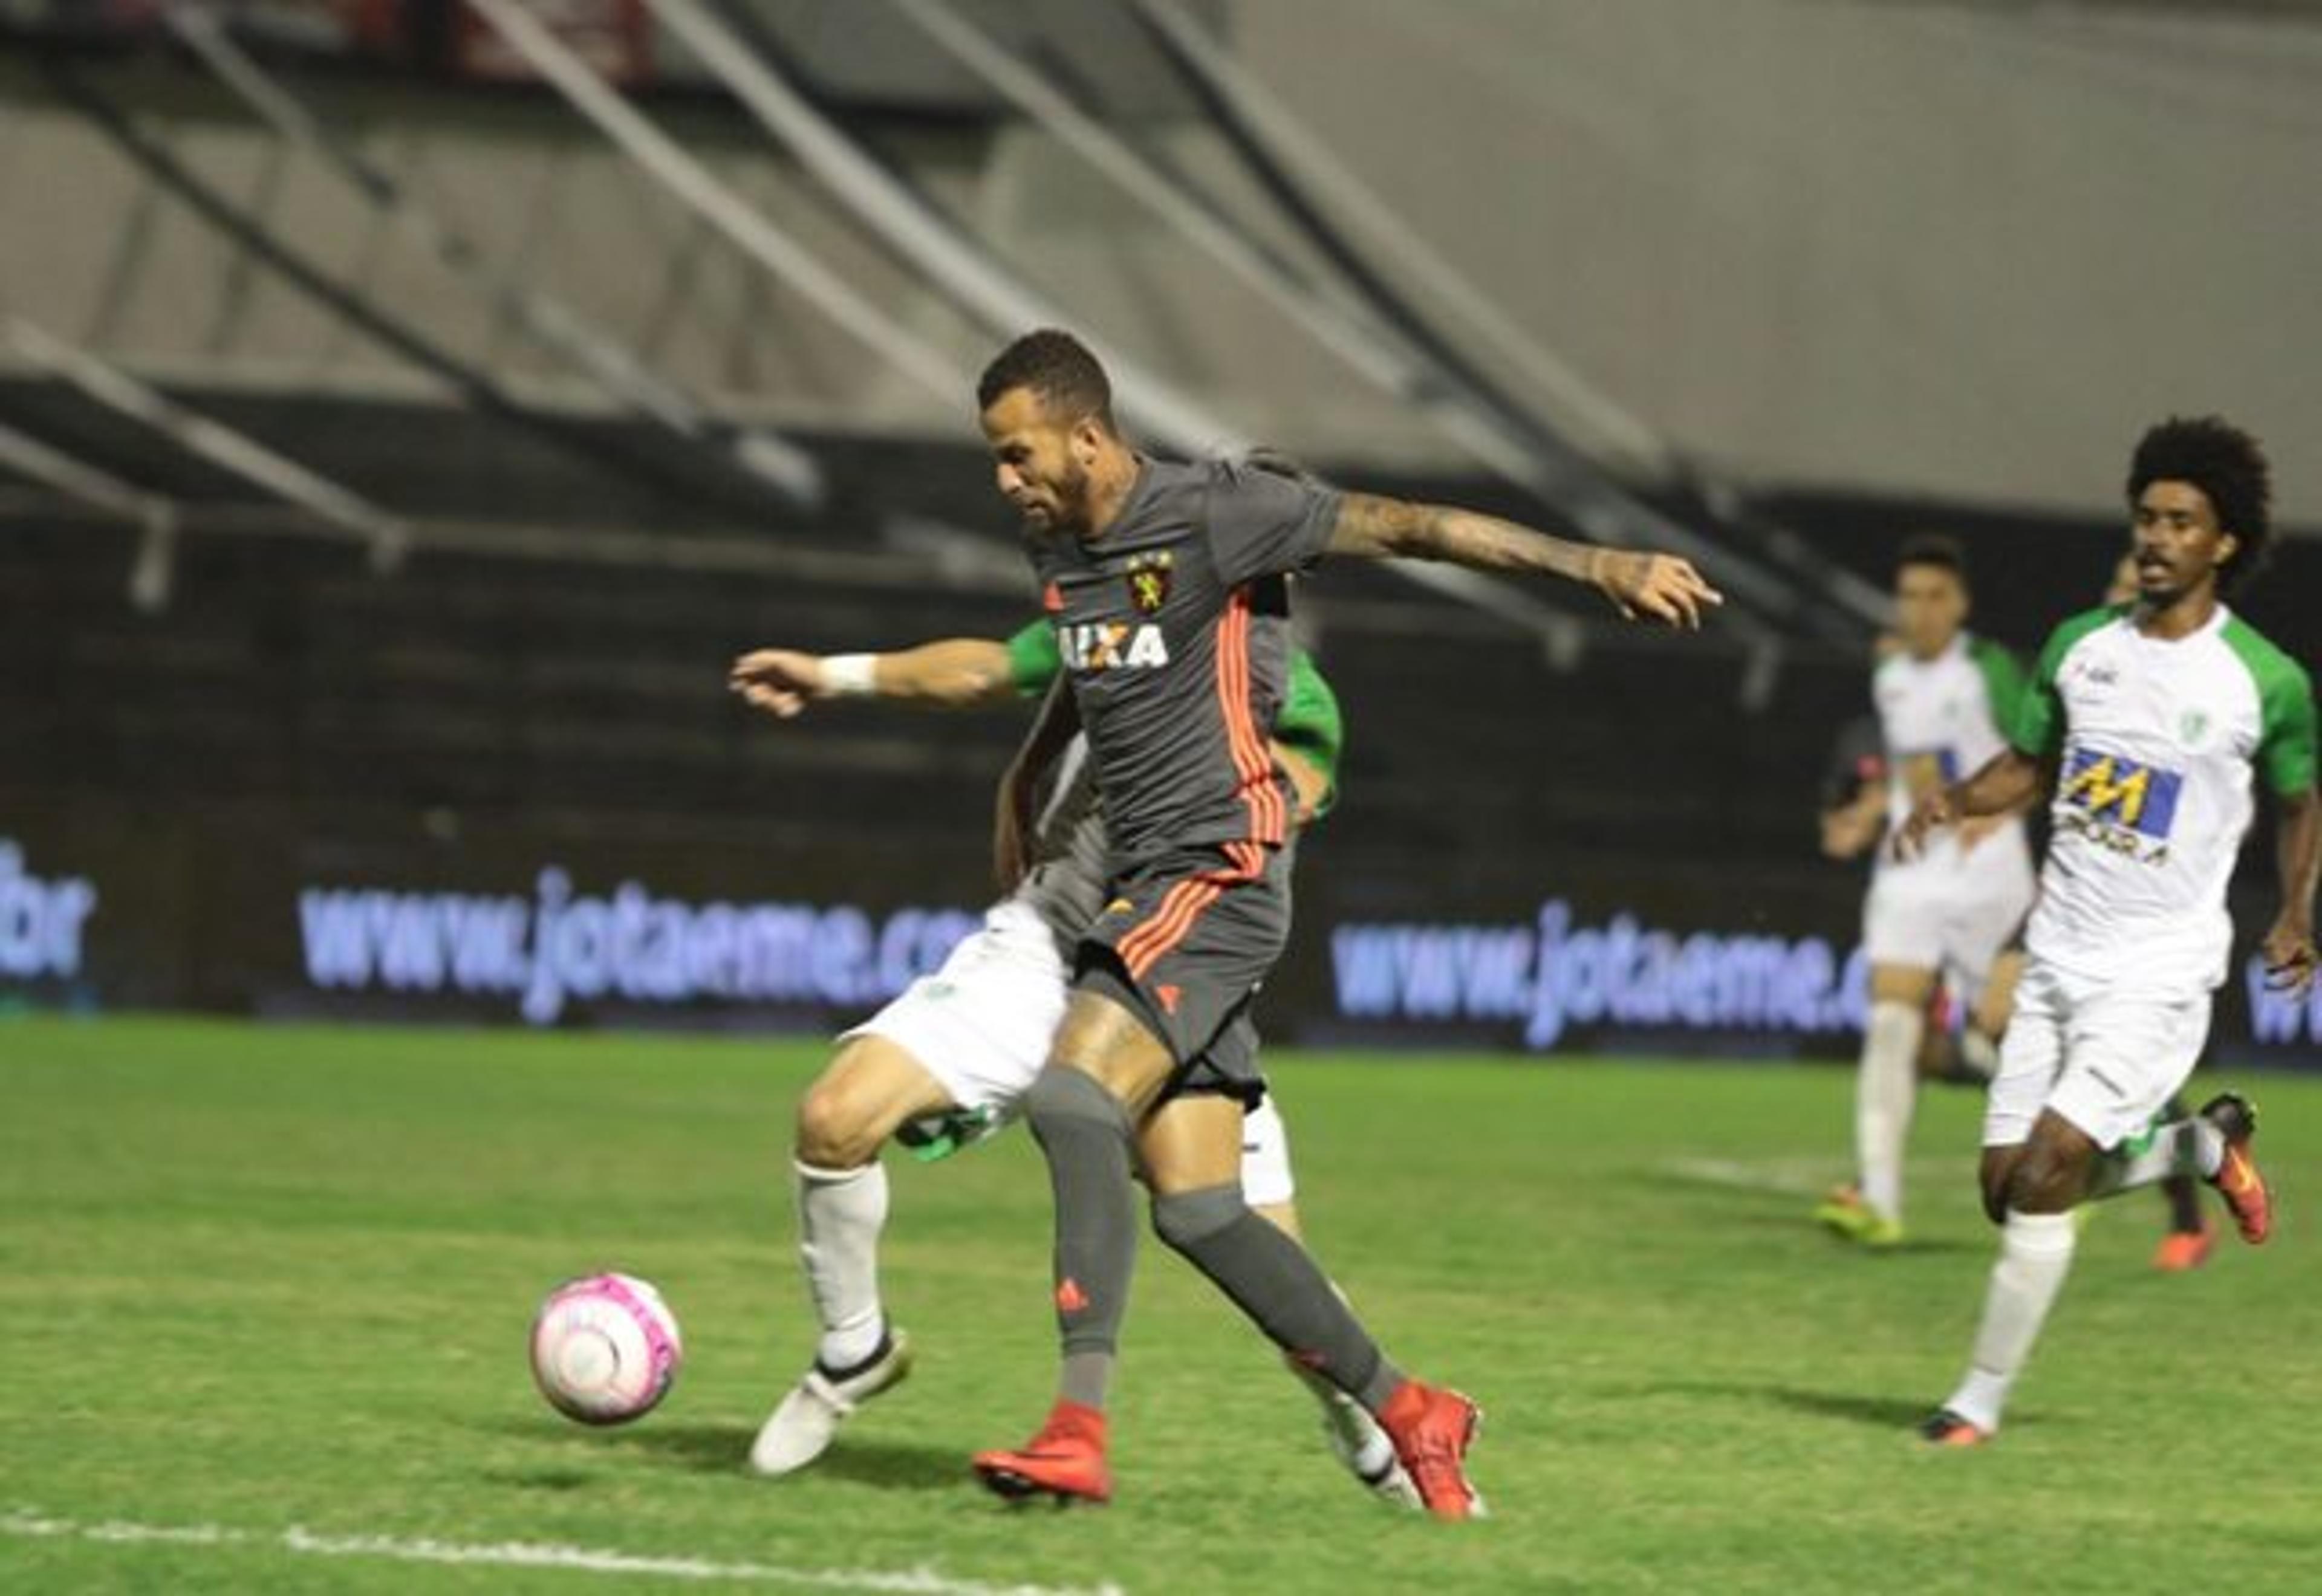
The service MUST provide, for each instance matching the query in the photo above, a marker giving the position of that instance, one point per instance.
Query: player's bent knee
(1063, 1098)
(1999, 1173)
(2047, 1179)
(833, 1132)
(869, 1089)
(1187, 1219)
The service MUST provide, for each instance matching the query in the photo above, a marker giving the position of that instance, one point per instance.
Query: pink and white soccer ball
(605, 1348)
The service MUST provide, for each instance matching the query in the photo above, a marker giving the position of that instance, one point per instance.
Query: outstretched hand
(2290, 957)
(779, 680)
(1661, 587)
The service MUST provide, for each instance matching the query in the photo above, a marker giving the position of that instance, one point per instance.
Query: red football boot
(1432, 1429)
(2238, 1180)
(1065, 1460)
(1945, 1427)
(2181, 1250)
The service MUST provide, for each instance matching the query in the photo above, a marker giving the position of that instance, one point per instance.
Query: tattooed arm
(1655, 586)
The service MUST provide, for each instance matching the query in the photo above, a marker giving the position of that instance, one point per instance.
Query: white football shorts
(1266, 1157)
(2104, 1055)
(1950, 914)
(982, 1024)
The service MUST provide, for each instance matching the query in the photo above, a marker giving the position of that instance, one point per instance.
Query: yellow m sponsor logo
(2108, 783)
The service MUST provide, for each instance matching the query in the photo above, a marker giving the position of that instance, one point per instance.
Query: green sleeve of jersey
(2003, 682)
(2285, 695)
(1033, 661)
(1308, 722)
(2287, 756)
(2039, 729)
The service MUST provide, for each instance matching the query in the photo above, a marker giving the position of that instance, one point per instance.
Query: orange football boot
(2238, 1180)
(1944, 1427)
(1065, 1460)
(1432, 1429)
(2181, 1250)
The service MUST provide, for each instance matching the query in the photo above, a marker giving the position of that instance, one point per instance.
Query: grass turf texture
(265, 1277)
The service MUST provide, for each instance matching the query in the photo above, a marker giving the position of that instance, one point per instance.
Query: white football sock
(841, 1213)
(2035, 1253)
(1885, 1090)
(1364, 1441)
(1980, 1053)
(2190, 1146)
(2208, 1152)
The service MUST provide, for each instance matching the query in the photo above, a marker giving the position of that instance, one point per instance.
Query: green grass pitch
(266, 1288)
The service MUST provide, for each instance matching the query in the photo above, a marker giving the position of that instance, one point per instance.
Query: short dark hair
(1936, 549)
(1059, 370)
(2227, 465)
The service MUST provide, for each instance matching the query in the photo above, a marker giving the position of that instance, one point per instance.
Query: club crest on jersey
(1148, 577)
(1111, 645)
(2117, 803)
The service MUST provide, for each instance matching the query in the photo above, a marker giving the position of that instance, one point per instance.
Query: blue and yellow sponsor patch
(2113, 787)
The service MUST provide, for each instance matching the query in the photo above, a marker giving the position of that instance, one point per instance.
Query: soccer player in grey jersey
(949, 1060)
(1167, 586)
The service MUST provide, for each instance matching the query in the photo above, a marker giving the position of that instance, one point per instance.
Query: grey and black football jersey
(1174, 629)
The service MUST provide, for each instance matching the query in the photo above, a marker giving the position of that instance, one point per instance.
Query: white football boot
(1358, 1442)
(802, 1425)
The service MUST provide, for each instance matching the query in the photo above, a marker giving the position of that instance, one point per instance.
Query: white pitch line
(1793, 1177)
(28, 1524)
(1785, 1178)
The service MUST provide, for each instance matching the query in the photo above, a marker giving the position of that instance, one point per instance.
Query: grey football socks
(1082, 1128)
(1272, 1279)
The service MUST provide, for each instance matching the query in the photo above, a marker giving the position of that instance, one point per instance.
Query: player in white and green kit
(1943, 700)
(2144, 724)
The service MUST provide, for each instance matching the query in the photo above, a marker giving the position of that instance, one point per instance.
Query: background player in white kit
(2190, 1238)
(950, 1059)
(2146, 724)
(1943, 700)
